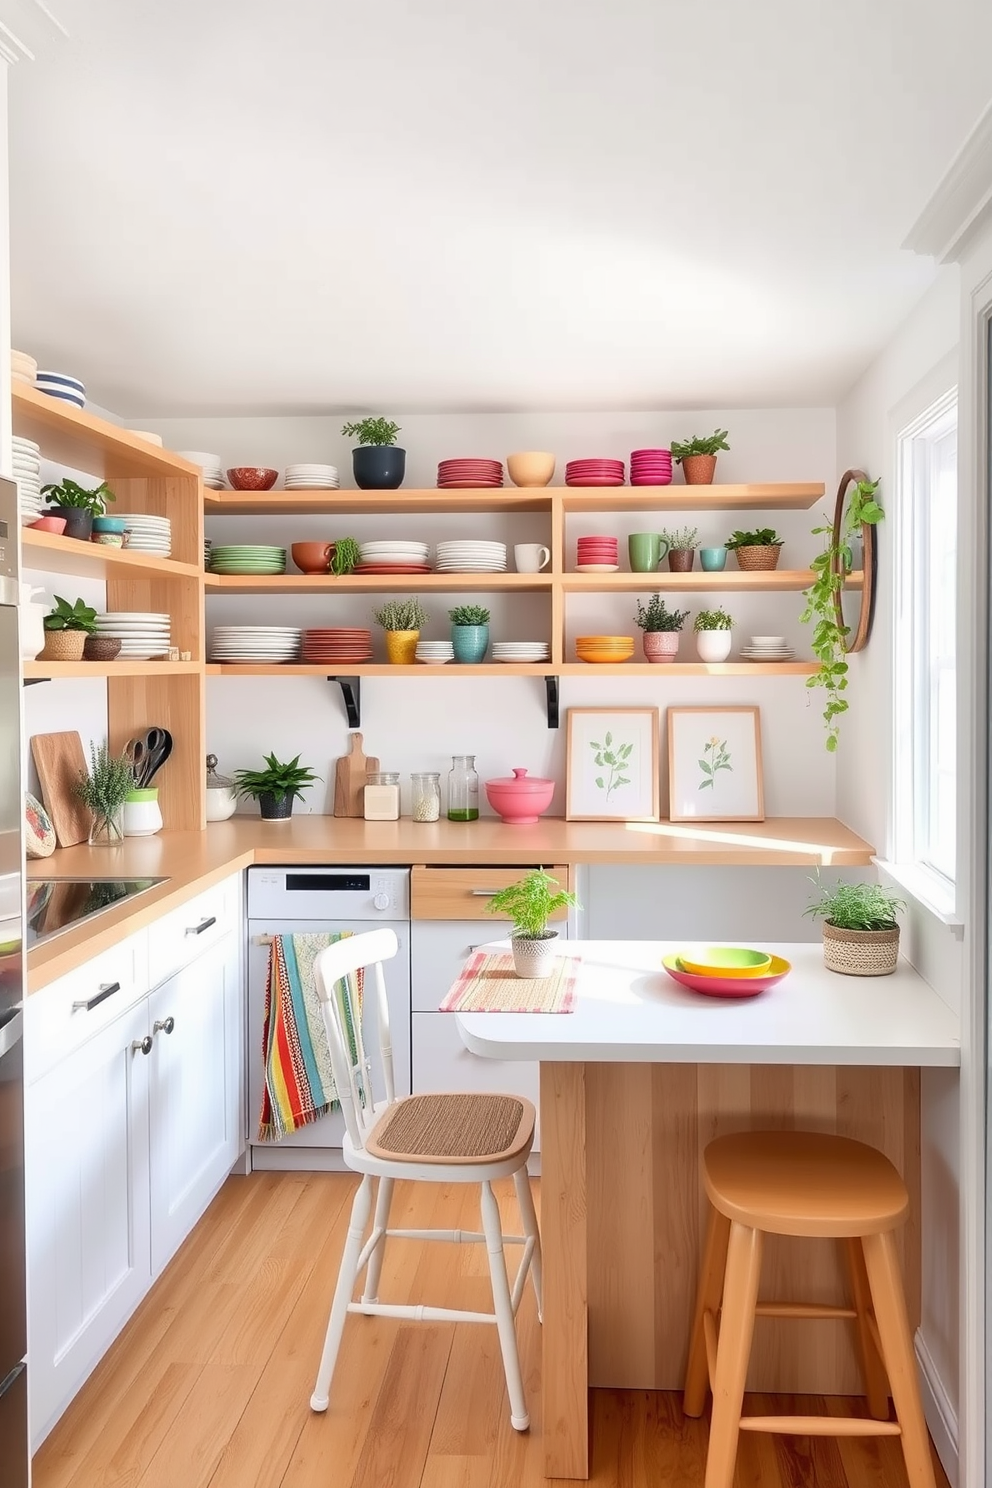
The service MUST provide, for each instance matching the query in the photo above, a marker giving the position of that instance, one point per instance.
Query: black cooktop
(56, 904)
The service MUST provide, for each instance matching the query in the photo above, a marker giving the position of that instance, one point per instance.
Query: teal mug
(646, 550)
(713, 559)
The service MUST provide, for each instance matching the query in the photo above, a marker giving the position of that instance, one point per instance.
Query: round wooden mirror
(855, 608)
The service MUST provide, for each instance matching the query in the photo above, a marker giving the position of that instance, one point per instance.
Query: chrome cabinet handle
(164, 1025)
(86, 1005)
(203, 925)
(483, 893)
(144, 1045)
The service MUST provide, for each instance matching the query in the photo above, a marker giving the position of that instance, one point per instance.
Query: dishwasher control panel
(306, 893)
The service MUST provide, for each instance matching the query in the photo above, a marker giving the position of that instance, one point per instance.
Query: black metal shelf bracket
(351, 693)
(551, 683)
(34, 681)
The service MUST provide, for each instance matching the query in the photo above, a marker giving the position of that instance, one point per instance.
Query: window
(925, 680)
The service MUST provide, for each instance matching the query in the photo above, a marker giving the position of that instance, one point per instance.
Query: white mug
(531, 557)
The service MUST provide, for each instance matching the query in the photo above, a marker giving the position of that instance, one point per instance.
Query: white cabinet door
(87, 1210)
(195, 1101)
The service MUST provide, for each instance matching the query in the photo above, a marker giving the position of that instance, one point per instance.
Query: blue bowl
(108, 524)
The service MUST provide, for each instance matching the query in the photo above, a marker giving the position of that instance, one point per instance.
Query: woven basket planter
(64, 645)
(101, 648)
(758, 558)
(860, 952)
(534, 958)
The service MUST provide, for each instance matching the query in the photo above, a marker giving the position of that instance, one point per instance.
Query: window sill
(927, 890)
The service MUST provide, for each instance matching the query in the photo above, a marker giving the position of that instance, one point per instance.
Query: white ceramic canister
(32, 614)
(222, 798)
(142, 814)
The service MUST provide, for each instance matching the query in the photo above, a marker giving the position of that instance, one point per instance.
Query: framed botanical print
(714, 764)
(612, 767)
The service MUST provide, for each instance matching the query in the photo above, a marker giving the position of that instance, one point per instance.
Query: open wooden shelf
(67, 555)
(52, 670)
(697, 581)
(773, 497)
(531, 669)
(73, 437)
(437, 583)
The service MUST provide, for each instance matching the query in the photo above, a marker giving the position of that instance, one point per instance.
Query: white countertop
(628, 1009)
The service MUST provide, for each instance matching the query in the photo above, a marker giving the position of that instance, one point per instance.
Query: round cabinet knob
(164, 1025)
(381, 901)
(144, 1045)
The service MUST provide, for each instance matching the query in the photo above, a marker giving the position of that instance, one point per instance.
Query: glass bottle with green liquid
(463, 789)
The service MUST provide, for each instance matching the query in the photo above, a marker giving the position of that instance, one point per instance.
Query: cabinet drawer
(178, 938)
(461, 893)
(63, 1015)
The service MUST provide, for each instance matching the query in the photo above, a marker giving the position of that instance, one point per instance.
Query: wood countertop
(193, 861)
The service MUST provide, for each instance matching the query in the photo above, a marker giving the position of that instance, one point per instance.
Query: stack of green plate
(247, 558)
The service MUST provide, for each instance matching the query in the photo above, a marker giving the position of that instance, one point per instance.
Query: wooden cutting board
(349, 779)
(58, 758)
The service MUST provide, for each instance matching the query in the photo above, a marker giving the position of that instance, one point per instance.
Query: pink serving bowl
(520, 798)
(717, 986)
(48, 524)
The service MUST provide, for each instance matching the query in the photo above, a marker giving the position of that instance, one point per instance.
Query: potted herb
(530, 903)
(698, 457)
(681, 548)
(78, 506)
(822, 607)
(66, 629)
(345, 557)
(713, 634)
(104, 790)
(402, 620)
(661, 628)
(860, 933)
(378, 464)
(469, 633)
(275, 787)
(756, 550)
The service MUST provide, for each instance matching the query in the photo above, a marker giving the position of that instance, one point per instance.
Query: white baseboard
(941, 1416)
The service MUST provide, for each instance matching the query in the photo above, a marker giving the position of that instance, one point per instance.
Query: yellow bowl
(727, 961)
(604, 658)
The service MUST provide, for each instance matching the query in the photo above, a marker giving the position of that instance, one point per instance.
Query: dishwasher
(287, 901)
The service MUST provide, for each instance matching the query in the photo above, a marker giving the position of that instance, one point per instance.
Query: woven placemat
(489, 984)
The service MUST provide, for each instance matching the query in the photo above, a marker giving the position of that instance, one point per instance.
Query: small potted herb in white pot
(713, 634)
(661, 628)
(378, 464)
(530, 903)
(275, 787)
(860, 932)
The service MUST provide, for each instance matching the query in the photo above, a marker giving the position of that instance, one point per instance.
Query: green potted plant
(698, 456)
(78, 506)
(378, 464)
(346, 557)
(469, 633)
(759, 549)
(681, 548)
(530, 903)
(829, 631)
(67, 627)
(103, 791)
(713, 634)
(661, 628)
(275, 787)
(860, 932)
(402, 620)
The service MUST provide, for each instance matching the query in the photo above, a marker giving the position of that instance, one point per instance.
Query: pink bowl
(520, 799)
(717, 986)
(252, 478)
(49, 524)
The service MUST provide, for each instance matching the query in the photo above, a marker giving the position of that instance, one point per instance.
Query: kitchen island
(634, 1084)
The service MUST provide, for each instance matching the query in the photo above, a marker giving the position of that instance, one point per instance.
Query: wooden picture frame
(714, 764)
(626, 787)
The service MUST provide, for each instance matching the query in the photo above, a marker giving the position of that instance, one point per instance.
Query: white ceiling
(396, 206)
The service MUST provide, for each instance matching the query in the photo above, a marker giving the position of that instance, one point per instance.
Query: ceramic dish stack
(435, 653)
(651, 467)
(520, 652)
(393, 555)
(264, 643)
(597, 554)
(768, 648)
(466, 475)
(726, 971)
(144, 636)
(594, 473)
(23, 368)
(247, 558)
(467, 556)
(147, 436)
(60, 385)
(336, 646)
(27, 474)
(213, 475)
(604, 650)
(147, 534)
(312, 478)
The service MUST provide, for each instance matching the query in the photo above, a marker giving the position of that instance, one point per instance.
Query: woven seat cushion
(453, 1128)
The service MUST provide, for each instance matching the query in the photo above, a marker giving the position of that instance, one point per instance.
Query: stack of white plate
(147, 534)
(520, 651)
(767, 648)
(394, 553)
(27, 474)
(23, 368)
(147, 435)
(61, 385)
(213, 475)
(143, 636)
(266, 643)
(312, 478)
(435, 653)
(471, 557)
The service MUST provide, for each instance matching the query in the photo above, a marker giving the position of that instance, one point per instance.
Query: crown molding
(961, 206)
(25, 26)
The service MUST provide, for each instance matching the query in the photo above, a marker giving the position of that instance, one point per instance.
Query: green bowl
(727, 961)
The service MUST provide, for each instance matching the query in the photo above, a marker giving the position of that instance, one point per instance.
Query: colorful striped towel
(299, 1083)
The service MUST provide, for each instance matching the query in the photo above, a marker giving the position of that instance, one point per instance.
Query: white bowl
(771, 643)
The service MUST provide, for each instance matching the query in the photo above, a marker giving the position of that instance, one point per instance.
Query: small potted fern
(378, 464)
(530, 903)
(860, 930)
(697, 456)
(276, 787)
(661, 627)
(713, 634)
(757, 550)
(469, 633)
(402, 620)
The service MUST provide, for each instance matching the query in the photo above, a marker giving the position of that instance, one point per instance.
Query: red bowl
(49, 524)
(252, 478)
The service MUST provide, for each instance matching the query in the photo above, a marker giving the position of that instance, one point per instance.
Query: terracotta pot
(101, 648)
(313, 557)
(763, 557)
(680, 560)
(64, 645)
(699, 469)
(860, 952)
(401, 647)
(661, 645)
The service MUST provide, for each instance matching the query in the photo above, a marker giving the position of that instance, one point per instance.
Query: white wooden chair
(431, 1138)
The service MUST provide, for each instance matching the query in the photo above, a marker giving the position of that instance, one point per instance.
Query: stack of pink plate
(651, 467)
(594, 473)
(466, 475)
(596, 555)
(336, 647)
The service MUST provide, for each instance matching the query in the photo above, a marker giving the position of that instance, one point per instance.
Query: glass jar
(463, 789)
(222, 798)
(426, 803)
(381, 796)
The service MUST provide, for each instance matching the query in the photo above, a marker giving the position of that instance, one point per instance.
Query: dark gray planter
(378, 467)
(78, 521)
(275, 808)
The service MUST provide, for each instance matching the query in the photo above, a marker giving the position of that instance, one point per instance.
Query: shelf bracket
(551, 683)
(34, 681)
(351, 693)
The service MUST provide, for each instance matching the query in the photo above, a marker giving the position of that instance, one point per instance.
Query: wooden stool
(802, 1183)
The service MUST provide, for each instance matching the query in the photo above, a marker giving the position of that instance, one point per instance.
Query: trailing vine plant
(823, 607)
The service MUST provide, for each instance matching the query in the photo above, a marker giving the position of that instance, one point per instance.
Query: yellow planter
(401, 646)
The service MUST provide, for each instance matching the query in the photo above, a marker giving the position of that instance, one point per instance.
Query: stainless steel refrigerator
(13, 1324)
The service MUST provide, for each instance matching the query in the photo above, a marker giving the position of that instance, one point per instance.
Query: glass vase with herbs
(103, 791)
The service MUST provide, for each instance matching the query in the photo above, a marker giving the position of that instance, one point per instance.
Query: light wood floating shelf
(66, 555)
(781, 580)
(73, 437)
(531, 669)
(53, 670)
(474, 583)
(776, 497)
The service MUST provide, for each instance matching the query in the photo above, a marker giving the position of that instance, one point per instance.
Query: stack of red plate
(465, 475)
(596, 554)
(651, 467)
(594, 473)
(336, 646)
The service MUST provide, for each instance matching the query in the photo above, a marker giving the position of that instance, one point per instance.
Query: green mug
(646, 550)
